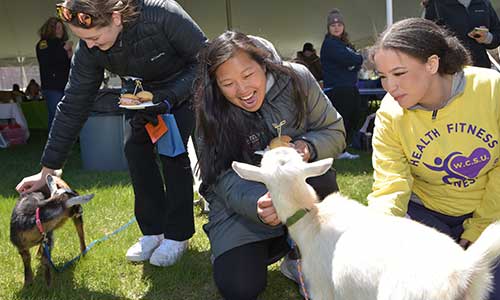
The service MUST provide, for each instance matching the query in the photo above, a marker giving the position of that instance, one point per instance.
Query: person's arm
(187, 38)
(34, 182)
(325, 127)
(339, 54)
(73, 110)
(489, 210)
(393, 181)
(493, 39)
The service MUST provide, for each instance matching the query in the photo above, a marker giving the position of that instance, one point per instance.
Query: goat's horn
(51, 183)
(79, 200)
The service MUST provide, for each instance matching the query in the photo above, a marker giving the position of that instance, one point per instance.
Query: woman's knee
(233, 287)
(241, 273)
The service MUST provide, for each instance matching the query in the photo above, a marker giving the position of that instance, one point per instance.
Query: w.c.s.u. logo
(460, 167)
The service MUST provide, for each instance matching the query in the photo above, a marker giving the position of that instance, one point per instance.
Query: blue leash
(95, 242)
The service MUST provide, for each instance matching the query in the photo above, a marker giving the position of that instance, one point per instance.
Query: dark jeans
(451, 226)
(324, 184)
(347, 102)
(241, 273)
(163, 186)
(52, 98)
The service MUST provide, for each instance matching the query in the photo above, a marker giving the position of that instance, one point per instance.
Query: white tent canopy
(287, 23)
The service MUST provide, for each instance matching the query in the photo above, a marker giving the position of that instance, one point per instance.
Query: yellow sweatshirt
(450, 162)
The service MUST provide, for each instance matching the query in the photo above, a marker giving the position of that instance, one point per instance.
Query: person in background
(310, 59)
(33, 90)
(242, 92)
(155, 40)
(54, 53)
(461, 17)
(17, 94)
(340, 64)
(436, 138)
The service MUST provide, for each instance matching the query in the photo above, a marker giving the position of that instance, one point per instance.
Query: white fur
(351, 253)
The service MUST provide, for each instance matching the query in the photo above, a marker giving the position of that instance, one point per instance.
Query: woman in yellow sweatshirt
(435, 142)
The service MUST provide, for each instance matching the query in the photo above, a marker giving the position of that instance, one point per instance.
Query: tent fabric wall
(287, 23)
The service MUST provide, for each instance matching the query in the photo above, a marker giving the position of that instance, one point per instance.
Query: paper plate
(140, 106)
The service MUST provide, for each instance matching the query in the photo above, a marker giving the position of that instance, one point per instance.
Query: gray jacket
(160, 47)
(233, 219)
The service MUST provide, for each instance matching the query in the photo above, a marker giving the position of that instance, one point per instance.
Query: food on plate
(280, 141)
(129, 100)
(145, 96)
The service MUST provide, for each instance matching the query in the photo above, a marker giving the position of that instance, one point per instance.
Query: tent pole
(229, 15)
(388, 7)
(23, 82)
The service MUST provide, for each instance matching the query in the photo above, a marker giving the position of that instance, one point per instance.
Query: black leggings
(241, 273)
(163, 186)
(347, 102)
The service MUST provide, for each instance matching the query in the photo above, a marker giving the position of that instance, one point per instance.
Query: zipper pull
(434, 114)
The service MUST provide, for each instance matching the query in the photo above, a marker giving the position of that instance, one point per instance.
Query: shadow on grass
(190, 278)
(280, 287)
(24, 160)
(63, 287)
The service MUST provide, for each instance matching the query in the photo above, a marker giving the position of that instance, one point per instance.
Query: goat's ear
(51, 184)
(317, 168)
(248, 172)
(79, 200)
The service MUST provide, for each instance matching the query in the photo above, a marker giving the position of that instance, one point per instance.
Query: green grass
(104, 272)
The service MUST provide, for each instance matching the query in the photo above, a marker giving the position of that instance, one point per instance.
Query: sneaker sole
(139, 258)
(160, 264)
(287, 273)
(136, 259)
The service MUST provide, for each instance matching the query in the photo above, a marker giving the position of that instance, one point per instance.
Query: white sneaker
(143, 249)
(347, 155)
(168, 253)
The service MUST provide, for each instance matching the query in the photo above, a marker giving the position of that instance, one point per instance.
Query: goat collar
(38, 222)
(296, 217)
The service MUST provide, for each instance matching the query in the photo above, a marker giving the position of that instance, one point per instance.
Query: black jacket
(312, 62)
(461, 21)
(54, 64)
(160, 47)
(339, 62)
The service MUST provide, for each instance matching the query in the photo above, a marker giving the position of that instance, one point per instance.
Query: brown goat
(57, 202)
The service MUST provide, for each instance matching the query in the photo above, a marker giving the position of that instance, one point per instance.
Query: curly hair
(101, 10)
(48, 29)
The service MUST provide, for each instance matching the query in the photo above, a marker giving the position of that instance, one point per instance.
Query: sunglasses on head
(81, 18)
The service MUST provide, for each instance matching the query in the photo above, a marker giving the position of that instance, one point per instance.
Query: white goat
(351, 253)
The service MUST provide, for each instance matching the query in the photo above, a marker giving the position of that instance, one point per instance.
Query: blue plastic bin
(102, 142)
(102, 137)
